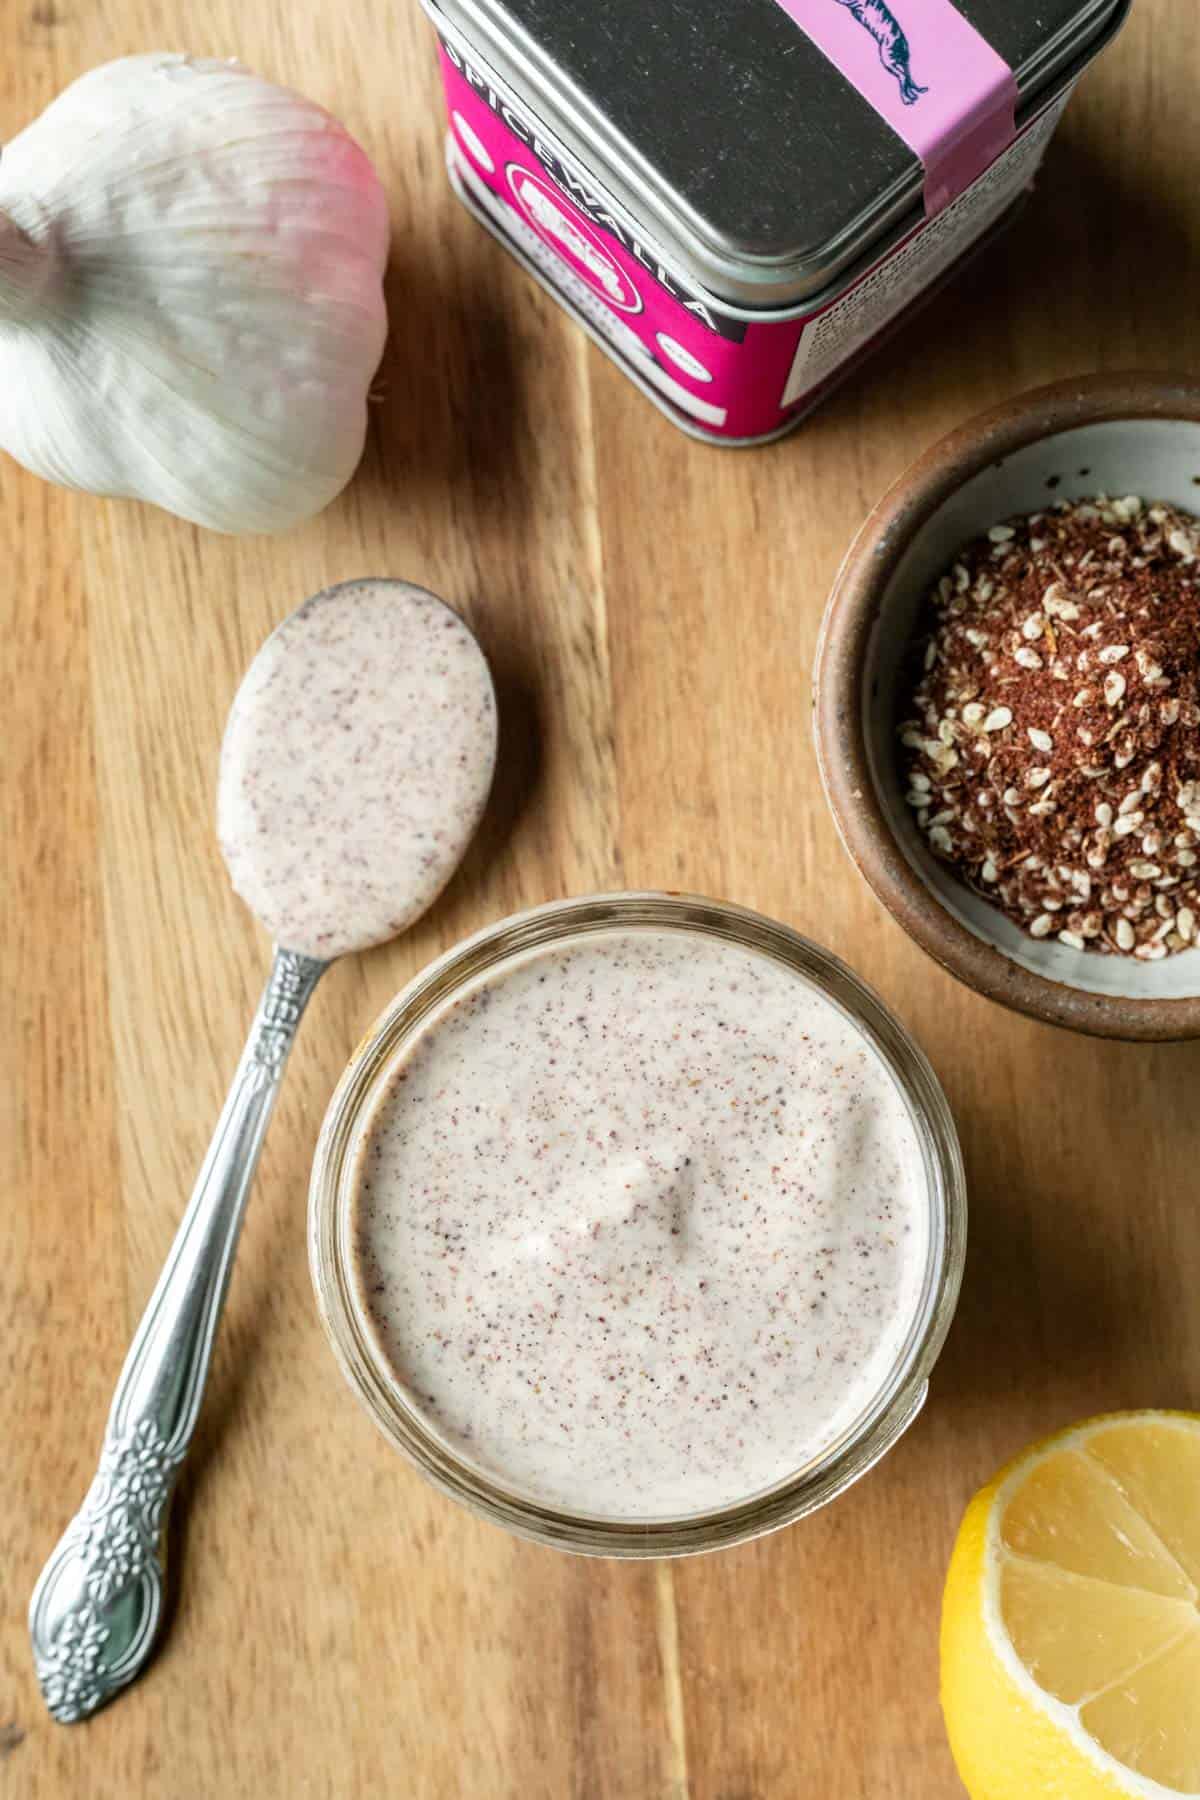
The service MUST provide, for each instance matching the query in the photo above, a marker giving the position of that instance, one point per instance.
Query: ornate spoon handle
(96, 1609)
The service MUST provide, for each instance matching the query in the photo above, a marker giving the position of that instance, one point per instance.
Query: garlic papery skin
(191, 293)
(25, 271)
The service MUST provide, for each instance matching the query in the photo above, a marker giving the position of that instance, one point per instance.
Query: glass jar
(560, 925)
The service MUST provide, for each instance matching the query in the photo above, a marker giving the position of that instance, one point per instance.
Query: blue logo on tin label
(894, 52)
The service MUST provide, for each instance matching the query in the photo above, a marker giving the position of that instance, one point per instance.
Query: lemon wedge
(1071, 1619)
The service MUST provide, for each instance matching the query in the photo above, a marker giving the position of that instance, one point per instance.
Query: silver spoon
(355, 767)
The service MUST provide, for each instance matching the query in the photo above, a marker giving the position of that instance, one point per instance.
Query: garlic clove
(191, 298)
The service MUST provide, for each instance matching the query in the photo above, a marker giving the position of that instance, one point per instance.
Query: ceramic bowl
(1114, 434)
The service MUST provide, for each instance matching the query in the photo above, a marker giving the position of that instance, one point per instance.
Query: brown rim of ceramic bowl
(841, 746)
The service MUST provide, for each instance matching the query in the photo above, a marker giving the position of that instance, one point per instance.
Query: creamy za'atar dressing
(641, 1223)
(356, 764)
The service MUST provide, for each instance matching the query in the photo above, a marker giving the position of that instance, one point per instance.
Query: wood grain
(651, 608)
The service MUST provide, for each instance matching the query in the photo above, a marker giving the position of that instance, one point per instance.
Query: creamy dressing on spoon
(641, 1224)
(355, 767)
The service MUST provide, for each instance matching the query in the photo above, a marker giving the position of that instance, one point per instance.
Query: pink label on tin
(938, 84)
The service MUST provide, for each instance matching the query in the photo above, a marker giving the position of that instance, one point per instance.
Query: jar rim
(333, 1185)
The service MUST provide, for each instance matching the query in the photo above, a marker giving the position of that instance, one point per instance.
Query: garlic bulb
(191, 298)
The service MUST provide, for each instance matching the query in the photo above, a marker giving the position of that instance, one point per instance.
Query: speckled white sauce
(356, 764)
(640, 1224)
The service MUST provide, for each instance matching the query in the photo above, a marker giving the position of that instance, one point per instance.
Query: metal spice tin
(727, 210)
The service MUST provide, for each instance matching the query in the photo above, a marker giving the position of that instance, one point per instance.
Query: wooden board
(651, 607)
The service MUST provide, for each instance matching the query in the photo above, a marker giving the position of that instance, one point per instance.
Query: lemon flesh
(1071, 1624)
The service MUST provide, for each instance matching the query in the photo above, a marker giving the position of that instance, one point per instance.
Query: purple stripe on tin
(929, 74)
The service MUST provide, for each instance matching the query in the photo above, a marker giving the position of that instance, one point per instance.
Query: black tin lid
(721, 124)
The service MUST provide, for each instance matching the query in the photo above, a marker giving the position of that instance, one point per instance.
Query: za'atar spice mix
(1048, 732)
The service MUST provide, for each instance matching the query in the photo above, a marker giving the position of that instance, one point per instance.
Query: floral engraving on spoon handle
(293, 978)
(98, 1604)
(114, 1540)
